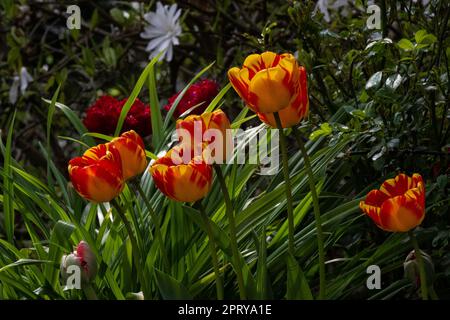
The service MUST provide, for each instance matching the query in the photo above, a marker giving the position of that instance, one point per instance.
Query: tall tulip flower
(268, 82)
(197, 125)
(179, 181)
(399, 204)
(296, 111)
(275, 87)
(132, 153)
(188, 182)
(97, 175)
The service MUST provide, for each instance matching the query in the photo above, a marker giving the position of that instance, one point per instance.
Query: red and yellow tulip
(399, 204)
(296, 111)
(97, 175)
(132, 153)
(179, 181)
(217, 120)
(270, 82)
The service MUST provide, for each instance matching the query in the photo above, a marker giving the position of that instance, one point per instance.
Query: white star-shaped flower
(163, 30)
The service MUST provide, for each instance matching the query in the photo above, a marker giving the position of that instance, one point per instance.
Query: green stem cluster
(134, 244)
(233, 233)
(212, 247)
(287, 182)
(155, 220)
(422, 273)
(318, 220)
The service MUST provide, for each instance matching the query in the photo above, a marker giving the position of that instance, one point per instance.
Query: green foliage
(378, 106)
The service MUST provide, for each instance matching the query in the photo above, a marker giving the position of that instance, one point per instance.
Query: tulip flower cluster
(272, 85)
(99, 175)
(190, 180)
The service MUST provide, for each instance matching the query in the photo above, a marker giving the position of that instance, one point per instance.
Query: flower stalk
(233, 233)
(212, 247)
(315, 198)
(134, 244)
(158, 233)
(287, 181)
(422, 273)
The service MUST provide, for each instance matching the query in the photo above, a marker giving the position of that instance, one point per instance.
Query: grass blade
(136, 90)
(8, 186)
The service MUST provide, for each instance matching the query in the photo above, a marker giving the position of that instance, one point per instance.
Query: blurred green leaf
(170, 288)
(374, 81)
(406, 45)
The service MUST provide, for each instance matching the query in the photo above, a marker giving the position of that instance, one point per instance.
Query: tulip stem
(212, 247)
(287, 181)
(89, 292)
(233, 233)
(315, 198)
(419, 257)
(134, 244)
(158, 233)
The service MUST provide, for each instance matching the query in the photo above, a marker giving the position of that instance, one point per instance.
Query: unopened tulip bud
(82, 258)
(411, 268)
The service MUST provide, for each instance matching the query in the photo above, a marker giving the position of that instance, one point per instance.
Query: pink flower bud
(84, 258)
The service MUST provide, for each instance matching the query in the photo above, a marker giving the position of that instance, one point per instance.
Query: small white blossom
(14, 90)
(163, 30)
(21, 81)
(136, 5)
(324, 5)
(25, 78)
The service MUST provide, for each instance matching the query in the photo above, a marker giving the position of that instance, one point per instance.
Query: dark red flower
(103, 115)
(201, 91)
(138, 118)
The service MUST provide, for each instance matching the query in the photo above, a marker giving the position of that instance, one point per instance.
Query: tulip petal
(303, 92)
(253, 63)
(159, 174)
(182, 182)
(97, 175)
(297, 109)
(289, 117)
(372, 211)
(397, 186)
(239, 79)
(289, 64)
(270, 59)
(268, 91)
(99, 183)
(216, 120)
(417, 194)
(401, 214)
(376, 198)
(258, 62)
(132, 153)
(191, 182)
(417, 179)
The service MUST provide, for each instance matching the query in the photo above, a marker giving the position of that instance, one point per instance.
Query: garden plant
(245, 149)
